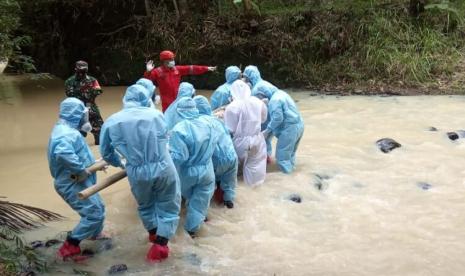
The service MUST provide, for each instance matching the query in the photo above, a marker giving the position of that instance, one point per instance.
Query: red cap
(166, 55)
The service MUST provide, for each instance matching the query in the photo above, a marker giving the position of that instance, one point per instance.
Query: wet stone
(432, 129)
(424, 186)
(104, 244)
(387, 144)
(321, 181)
(52, 242)
(296, 198)
(88, 253)
(453, 136)
(119, 268)
(26, 270)
(37, 244)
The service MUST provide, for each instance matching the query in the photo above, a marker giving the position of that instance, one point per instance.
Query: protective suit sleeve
(178, 148)
(152, 75)
(277, 116)
(185, 70)
(65, 154)
(107, 150)
(231, 120)
(215, 100)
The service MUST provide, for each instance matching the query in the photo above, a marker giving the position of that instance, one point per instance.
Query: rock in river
(387, 144)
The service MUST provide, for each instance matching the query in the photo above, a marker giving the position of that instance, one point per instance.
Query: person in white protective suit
(243, 117)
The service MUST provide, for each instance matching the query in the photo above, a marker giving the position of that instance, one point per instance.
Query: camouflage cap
(81, 65)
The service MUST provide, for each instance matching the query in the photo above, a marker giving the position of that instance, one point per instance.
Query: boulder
(387, 144)
(453, 136)
(425, 186)
(52, 242)
(296, 198)
(119, 268)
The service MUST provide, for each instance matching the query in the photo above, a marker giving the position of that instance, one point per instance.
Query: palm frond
(18, 217)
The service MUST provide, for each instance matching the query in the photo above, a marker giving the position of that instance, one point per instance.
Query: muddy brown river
(363, 212)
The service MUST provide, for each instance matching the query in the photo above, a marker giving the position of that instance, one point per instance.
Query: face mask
(171, 64)
(85, 124)
(87, 127)
(81, 74)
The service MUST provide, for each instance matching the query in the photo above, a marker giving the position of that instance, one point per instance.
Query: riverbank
(350, 47)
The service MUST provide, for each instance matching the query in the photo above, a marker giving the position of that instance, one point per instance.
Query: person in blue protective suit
(171, 115)
(252, 75)
(224, 157)
(285, 123)
(148, 84)
(222, 95)
(68, 154)
(192, 143)
(138, 135)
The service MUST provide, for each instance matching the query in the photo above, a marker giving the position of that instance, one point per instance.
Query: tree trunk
(148, 9)
(247, 6)
(176, 8)
(183, 7)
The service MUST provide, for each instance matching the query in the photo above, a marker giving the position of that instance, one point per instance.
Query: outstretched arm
(185, 70)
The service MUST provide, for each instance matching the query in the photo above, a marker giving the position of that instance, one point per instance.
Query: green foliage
(294, 42)
(16, 257)
(10, 42)
(394, 49)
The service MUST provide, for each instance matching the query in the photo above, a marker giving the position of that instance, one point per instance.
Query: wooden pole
(97, 166)
(112, 179)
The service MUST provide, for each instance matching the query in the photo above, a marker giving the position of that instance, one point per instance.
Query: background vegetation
(301, 43)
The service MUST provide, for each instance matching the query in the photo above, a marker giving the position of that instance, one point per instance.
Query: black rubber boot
(97, 139)
(229, 204)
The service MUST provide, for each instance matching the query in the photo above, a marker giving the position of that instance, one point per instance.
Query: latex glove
(266, 133)
(157, 99)
(149, 66)
(212, 68)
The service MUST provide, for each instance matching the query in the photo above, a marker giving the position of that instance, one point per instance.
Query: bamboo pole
(97, 166)
(112, 179)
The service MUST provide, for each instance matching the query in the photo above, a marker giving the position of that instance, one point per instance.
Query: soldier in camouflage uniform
(86, 88)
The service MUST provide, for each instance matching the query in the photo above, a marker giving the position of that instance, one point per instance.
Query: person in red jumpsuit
(168, 76)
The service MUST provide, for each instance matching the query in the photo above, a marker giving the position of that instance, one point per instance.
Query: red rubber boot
(68, 250)
(157, 253)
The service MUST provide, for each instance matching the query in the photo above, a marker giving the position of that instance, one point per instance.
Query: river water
(363, 212)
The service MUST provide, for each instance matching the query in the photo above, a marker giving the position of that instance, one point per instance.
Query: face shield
(85, 125)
